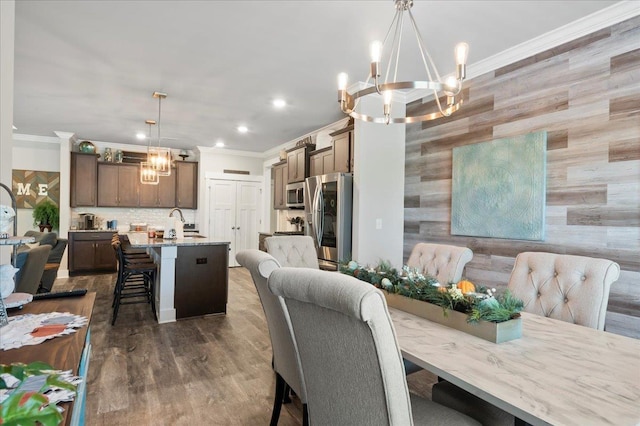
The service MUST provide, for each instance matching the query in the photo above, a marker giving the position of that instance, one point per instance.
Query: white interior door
(248, 202)
(234, 214)
(222, 211)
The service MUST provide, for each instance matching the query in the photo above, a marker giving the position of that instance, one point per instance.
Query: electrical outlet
(378, 223)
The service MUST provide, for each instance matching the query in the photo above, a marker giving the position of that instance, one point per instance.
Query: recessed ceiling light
(279, 103)
(219, 144)
(141, 136)
(243, 129)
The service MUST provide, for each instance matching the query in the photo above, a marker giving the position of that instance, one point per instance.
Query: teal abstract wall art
(499, 187)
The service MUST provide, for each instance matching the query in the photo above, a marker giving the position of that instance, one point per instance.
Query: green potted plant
(46, 215)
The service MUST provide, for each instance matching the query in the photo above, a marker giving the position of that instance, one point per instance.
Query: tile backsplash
(126, 216)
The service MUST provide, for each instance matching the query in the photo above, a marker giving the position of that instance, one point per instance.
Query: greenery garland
(480, 304)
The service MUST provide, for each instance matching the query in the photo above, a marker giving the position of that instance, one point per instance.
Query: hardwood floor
(213, 370)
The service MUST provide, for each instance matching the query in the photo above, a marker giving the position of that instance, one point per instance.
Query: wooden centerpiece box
(491, 331)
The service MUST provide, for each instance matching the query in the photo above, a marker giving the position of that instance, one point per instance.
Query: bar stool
(135, 282)
(130, 256)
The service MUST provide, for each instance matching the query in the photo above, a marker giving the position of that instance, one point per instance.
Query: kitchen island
(192, 277)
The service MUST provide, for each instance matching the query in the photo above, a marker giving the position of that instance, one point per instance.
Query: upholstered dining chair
(569, 288)
(285, 352)
(349, 354)
(444, 262)
(30, 274)
(296, 251)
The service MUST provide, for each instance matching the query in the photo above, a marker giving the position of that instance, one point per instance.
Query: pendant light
(148, 174)
(160, 158)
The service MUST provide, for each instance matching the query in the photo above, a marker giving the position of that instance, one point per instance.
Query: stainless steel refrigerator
(328, 214)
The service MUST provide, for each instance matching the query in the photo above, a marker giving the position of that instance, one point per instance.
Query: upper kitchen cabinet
(342, 144)
(118, 185)
(186, 184)
(298, 163)
(83, 179)
(161, 195)
(321, 162)
(279, 185)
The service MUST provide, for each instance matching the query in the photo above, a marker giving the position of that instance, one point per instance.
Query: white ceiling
(90, 67)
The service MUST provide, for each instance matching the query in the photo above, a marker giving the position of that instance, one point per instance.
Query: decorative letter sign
(30, 187)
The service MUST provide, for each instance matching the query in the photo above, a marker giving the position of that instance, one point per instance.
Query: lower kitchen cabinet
(91, 252)
(202, 279)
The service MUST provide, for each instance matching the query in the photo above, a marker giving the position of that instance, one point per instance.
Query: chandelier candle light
(160, 158)
(450, 88)
(148, 174)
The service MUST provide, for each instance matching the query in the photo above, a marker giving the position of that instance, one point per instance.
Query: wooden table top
(557, 373)
(63, 352)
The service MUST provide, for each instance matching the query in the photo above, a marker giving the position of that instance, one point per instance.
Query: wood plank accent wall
(586, 95)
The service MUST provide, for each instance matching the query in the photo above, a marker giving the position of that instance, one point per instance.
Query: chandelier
(160, 158)
(447, 90)
(148, 174)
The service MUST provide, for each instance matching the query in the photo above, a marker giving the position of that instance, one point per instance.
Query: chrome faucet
(175, 209)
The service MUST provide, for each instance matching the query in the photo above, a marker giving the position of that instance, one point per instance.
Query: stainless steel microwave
(295, 195)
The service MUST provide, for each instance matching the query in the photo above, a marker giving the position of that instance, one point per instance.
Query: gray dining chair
(444, 262)
(569, 288)
(296, 251)
(285, 353)
(349, 354)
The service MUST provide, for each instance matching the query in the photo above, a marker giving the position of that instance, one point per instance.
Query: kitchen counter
(192, 275)
(140, 239)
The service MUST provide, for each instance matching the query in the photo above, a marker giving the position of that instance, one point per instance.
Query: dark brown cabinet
(161, 195)
(91, 252)
(298, 163)
(279, 185)
(118, 185)
(186, 185)
(83, 179)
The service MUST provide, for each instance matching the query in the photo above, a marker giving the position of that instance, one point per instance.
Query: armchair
(58, 245)
(30, 273)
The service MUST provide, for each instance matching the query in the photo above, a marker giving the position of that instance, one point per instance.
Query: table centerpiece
(476, 310)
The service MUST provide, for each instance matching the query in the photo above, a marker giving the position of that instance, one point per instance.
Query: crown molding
(34, 138)
(609, 16)
(223, 151)
(606, 17)
(273, 152)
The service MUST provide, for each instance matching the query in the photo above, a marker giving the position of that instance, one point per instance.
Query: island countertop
(141, 240)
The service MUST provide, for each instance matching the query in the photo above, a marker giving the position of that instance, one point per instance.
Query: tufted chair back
(441, 261)
(295, 251)
(569, 288)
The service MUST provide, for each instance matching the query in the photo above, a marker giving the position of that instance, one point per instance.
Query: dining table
(557, 373)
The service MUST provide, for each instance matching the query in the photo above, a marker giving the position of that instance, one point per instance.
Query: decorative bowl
(87, 147)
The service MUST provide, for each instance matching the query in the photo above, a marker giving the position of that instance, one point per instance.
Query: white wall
(378, 187)
(34, 153)
(7, 25)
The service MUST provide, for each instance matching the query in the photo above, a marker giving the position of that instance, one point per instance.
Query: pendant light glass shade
(160, 158)
(148, 174)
